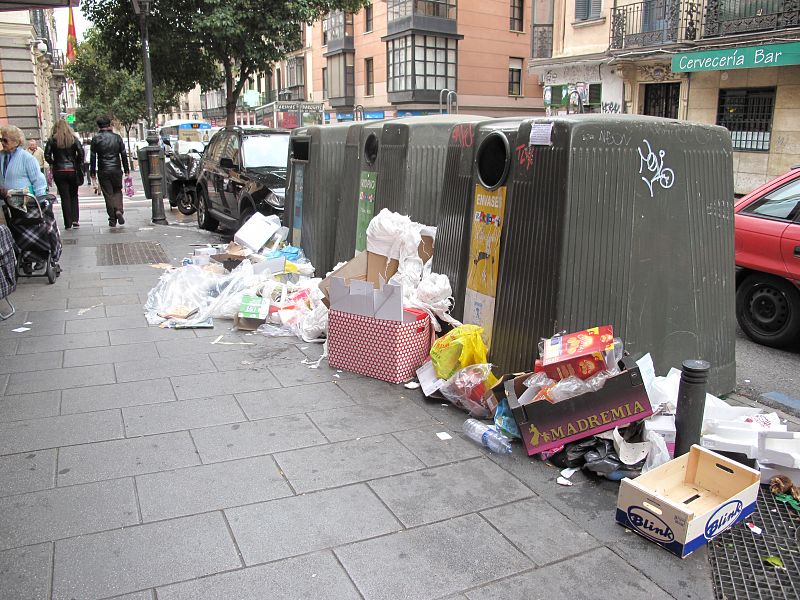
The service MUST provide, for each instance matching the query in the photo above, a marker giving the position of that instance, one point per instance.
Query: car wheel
(248, 210)
(768, 310)
(185, 202)
(204, 220)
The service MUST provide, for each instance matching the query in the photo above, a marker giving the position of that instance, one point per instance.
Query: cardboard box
(664, 425)
(257, 231)
(387, 350)
(688, 501)
(253, 312)
(581, 353)
(372, 267)
(361, 298)
(543, 425)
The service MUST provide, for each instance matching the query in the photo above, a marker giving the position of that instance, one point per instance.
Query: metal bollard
(155, 159)
(691, 405)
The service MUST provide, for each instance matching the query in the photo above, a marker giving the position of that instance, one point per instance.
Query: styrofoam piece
(741, 444)
(769, 471)
(779, 447)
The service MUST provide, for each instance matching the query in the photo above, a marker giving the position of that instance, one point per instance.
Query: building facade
(403, 57)
(31, 72)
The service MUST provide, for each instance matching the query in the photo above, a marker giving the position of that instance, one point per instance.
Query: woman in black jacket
(64, 153)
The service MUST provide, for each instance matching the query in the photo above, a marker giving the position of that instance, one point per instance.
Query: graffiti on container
(611, 107)
(655, 173)
(614, 138)
(525, 156)
(463, 135)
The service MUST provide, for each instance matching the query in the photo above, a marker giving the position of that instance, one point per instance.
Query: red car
(768, 261)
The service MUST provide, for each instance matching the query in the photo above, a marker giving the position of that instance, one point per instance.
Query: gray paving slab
(27, 472)
(60, 379)
(86, 292)
(148, 334)
(113, 290)
(218, 384)
(45, 328)
(150, 368)
(44, 316)
(38, 302)
(314, 576)
(25, 363)
(107, 324)
(447, 491)
(107, 301)
(192, 346)
(300, 524)
(258, 358)
(240, 440)
(66, 512)
(110, 354)
(687, 579)
(125, 310)
(291, 401)
(205, 488)
(25, 573)
(360, 421)
(29, 406)
(434, 451)
(348, 462)
(80, 283)
(118, 395)
(180, 415)
(63, 342)
(597, 574)
(8, 347)
(540, 531)
(299, 374)
(432, 561)
(134, 558)
(65, 430)
(122, 458)
(366, 390)
(146, 595)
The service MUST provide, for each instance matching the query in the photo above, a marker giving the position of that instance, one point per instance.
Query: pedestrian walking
(108, 161)
(64, 154)
(38, 154)
(19, 170)
(86, 153)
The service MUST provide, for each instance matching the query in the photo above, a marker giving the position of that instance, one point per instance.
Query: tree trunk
(230, 98)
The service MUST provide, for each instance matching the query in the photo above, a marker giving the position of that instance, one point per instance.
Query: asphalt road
(762, 370)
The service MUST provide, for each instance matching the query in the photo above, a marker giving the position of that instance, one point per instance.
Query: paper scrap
(443, 435)
(83, 311)
(647, 370)
(541, 134)
(563, 481)
(412, 385)
(567, 473)
(30, 322)
(754, 528)
(21, 329)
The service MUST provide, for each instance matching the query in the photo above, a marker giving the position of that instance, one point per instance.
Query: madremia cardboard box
(688, 501)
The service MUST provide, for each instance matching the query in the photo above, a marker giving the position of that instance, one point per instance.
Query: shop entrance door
(661, 99)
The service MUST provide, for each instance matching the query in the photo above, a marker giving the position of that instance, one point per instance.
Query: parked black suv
(243, 171)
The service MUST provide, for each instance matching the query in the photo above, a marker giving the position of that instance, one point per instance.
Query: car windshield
(265, 150)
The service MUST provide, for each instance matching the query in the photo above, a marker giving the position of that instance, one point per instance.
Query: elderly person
(18, 168)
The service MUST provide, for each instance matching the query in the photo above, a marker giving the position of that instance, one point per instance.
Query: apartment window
(515, 77)
(369, 78)
(336, 26)
(587, 9)
(444, 9)
(325, 25)
(295, 72)
(341, 75)
(516, 15)
(397, 9)
(747, 114)
(421, 62)
(368, 18)
(324, 83)
(399, 59)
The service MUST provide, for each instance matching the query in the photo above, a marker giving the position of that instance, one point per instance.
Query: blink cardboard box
(685, 503)
(544, 425)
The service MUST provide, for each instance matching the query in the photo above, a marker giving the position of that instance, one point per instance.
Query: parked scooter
(181, 180)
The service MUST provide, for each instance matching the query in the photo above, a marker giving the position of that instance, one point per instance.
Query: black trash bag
(572, 454)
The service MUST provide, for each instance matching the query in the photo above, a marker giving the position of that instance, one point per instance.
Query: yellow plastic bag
(460, 348)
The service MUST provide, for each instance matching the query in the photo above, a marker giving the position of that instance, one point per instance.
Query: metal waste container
(459, 185)
(621, 220)
(316, 162)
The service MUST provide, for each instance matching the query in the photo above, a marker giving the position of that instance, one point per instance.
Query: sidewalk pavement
(143, 463)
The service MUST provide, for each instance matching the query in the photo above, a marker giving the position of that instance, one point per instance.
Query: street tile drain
(736, 556)
(130, 253)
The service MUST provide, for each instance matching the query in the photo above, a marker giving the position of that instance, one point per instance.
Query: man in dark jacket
(107, 162)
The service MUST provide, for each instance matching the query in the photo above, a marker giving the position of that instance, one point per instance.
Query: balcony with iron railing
(725, 17)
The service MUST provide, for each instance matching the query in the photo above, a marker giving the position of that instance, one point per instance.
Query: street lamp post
(153, 152)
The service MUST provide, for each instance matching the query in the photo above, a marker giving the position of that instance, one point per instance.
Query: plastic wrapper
(467, 388)
(504, 421)
(461, 347)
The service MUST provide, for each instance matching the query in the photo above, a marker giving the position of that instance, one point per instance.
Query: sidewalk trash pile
(785, 491)
(386, 303)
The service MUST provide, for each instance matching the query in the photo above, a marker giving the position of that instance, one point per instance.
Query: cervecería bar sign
(772, 55)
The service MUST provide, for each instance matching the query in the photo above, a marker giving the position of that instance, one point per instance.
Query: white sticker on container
(541, 134)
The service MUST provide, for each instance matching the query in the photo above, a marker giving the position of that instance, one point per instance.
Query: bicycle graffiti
(664, 177)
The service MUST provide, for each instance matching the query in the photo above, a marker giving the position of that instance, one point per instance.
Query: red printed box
(581, 353)
(387, 350)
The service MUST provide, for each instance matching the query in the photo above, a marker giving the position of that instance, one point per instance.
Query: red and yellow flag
(71, 36)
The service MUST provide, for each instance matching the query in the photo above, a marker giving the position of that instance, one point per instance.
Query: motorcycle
(181, 180)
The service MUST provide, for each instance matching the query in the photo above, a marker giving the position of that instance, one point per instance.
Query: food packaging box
(257, 231)
(581, 353)
(253, 312)
(387, 350)
(544, 425)
(688, 501)
(664, 425)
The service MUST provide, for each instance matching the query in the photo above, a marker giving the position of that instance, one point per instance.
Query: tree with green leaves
(210, 42)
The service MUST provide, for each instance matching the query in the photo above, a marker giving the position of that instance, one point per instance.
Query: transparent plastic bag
(467, 389)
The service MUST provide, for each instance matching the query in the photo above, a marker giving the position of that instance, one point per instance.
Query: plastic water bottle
(489, 438)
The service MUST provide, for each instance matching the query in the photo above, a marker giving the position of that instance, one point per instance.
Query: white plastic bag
(658, 454)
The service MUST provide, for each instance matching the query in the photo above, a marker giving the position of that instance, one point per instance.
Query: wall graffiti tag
(464, 135)
(656, 172)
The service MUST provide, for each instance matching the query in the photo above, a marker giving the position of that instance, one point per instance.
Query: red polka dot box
(387, 350)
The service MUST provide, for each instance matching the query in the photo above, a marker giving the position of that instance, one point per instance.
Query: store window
(747, 114)
(515, 77)
(587, 9)
(516, 15)
(369, 77)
